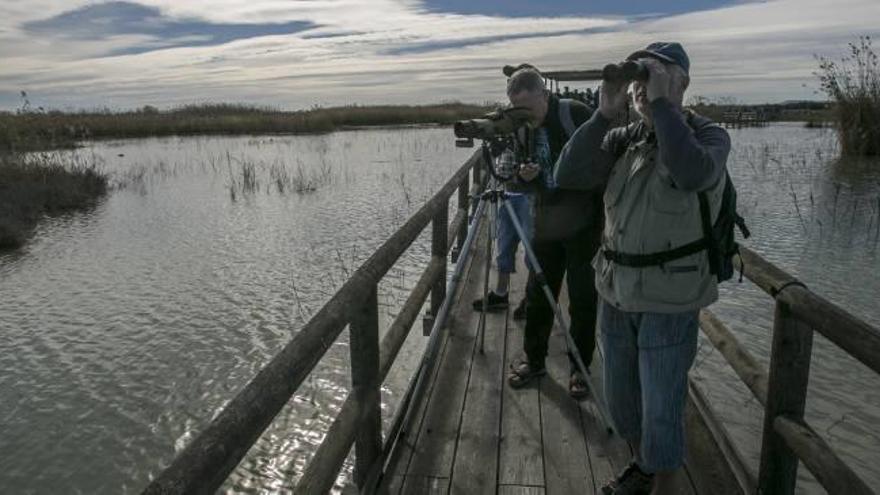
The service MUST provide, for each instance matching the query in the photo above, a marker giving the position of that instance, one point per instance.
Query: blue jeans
(507, 238)
(647, 358)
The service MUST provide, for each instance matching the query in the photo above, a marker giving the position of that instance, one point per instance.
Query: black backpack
(720, 238)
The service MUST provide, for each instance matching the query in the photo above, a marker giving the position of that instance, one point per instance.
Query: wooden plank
(425, 485)
(786, 394)
(714, 462)
(476, 459)
(520, 490)
(403, 452)
(596, 439)
(434, 446)
(391, 484)
(520, 454)
(567, 464)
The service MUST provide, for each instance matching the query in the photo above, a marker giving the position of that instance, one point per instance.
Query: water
(126, 328)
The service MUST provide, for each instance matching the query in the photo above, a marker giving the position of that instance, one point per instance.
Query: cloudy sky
(293, 54)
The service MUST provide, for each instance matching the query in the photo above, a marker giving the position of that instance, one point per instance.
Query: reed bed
(29, 129)
(853, 83)
(39, 184)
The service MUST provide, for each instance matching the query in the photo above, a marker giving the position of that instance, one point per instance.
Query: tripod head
(520, 143)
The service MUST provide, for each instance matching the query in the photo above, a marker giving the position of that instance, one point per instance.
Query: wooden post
(463, 205)
(786, 395)
(364, 346)
(439, 245)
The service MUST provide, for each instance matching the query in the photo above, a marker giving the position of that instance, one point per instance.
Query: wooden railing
(206, 462)
(787, 438)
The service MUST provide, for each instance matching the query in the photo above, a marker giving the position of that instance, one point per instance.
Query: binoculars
(624, 72)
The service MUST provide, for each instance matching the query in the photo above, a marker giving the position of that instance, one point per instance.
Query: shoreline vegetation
(853, 84)
(29, 130)
(35, 185)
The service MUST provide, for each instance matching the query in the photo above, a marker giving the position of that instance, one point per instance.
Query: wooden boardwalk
(473, 434)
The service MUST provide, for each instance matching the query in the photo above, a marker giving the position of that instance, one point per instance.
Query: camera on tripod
(504, 129)
(497, 125)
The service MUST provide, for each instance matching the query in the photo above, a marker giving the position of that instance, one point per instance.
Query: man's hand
(528, 171)
(659, 80)
(612, 98)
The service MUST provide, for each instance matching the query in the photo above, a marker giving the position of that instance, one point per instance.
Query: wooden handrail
(855, 336)
(786, 436)
(206, 462)
(820, 458)
(742, 362)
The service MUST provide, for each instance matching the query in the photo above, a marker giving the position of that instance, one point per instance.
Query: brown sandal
(522, 372)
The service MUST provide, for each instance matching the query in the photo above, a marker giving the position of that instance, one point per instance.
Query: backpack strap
(565, 117)
(709, 239)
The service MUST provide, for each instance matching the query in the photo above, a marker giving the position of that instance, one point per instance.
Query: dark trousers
(570, 258)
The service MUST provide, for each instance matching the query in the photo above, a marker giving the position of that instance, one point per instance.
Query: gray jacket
(650, 180)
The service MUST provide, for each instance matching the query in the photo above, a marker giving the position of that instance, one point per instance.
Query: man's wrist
(661, 104)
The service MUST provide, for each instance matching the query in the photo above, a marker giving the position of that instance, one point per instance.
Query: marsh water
(125, 328)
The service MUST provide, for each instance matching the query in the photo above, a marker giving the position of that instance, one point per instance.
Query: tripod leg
(490, 238)
(557, 310)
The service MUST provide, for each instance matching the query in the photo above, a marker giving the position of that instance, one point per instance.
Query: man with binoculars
(567, 225)
(651, 290)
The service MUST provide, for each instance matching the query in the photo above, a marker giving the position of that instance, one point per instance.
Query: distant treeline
(28, 129)
(815, 112)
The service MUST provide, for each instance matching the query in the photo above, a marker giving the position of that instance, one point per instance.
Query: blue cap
(669, 52)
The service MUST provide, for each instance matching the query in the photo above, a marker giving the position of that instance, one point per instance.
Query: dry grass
(853, 83)
(29, 129)
(42, 184)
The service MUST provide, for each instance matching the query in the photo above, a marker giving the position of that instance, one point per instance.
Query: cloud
(166, 52)
(558, 8)
(103, 21)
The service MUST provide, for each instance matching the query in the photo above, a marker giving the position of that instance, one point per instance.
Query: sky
(292, 54)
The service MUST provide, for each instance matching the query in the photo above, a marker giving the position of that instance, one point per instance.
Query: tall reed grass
(853, 83)
(29, 129)
(42, 184)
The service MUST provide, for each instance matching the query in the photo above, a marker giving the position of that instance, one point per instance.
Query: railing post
(786, 395)
(439, 244)
(464, 199)
(364, 347)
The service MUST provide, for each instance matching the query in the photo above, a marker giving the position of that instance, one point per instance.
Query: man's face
(677, 85)
(535, 102)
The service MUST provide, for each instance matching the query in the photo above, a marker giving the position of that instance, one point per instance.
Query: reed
(853, 83)
(39, 184)
(29, 129)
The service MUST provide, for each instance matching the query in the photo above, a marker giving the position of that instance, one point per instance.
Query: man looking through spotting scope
(567, 225)
(656, 174)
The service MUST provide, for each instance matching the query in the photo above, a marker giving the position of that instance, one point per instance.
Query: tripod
(495, 196)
